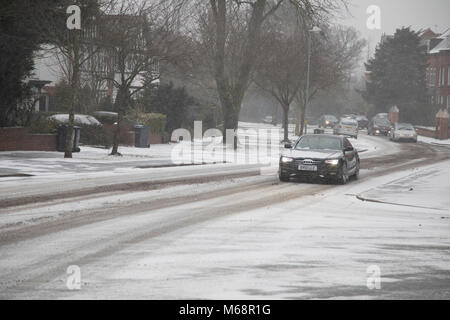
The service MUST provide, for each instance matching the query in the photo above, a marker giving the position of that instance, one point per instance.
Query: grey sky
(419, 14)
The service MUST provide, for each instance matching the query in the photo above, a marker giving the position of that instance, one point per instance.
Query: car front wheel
(356, 174)
(342, 177)
(284, 177)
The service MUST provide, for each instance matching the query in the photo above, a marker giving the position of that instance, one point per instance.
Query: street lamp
(315, 30)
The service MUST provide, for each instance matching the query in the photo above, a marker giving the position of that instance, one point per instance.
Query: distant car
(403, 132)
(379, 126)
(106, 117)
(320, 156)
(363, 122)
(80, 119)
(268, 120)
(327, 121)
(346, 127)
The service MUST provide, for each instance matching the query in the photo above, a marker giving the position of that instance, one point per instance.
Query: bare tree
(334, 56)
(69, 48)
(281, 73)
(137, 34)
(232, 32)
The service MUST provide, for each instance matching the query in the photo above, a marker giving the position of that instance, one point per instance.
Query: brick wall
(126, 134)
(155, 139)
(19, 139)
(426, 132)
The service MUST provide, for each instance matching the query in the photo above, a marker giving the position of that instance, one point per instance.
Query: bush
(156, 121)
(95, 135)
(43, 126)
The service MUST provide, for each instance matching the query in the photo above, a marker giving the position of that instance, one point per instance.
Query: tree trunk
(228, 119)
(298, 119)
(302, 122)
(286, 123)
(74, 96)
(231, 96)
(120, 100)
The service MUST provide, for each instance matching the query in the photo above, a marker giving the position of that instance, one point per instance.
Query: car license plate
(307, 168)
(348, 128)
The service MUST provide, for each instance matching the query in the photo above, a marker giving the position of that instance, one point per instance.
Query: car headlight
(333, 162)
(327, 122)
(286, 159)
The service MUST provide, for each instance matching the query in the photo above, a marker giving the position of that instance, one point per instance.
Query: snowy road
(242, 236)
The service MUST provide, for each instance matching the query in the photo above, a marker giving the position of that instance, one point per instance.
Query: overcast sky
(419, 14)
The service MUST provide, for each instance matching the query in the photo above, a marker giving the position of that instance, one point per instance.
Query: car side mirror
(349, 149)
(288, 146)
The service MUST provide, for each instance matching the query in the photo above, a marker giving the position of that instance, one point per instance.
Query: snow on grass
(423, 188)
(434, 141)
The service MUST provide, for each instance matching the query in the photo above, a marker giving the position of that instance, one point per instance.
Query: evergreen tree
(171, 101)
(397, 75)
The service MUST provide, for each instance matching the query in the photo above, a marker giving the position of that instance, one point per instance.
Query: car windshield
(348, 122)
(330, 118)
(405, 126)
(382, 122)
(318, 143)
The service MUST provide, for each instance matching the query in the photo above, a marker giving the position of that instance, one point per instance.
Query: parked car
(363, 122)
(320, 156)
(403, 132)
(267, 120)
(327, 121)
(379, 126)
(346, 127)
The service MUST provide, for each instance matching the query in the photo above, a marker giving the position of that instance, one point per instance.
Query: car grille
(307, 162)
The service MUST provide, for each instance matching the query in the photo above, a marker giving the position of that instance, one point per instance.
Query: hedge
(156, 121)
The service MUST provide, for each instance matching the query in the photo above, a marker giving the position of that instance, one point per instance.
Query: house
(438, 71)
(100, 69)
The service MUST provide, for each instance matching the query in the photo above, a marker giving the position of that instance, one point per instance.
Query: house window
(432, 99)
(448, 102)
(442, 77)
(448, 77)
(432, 77)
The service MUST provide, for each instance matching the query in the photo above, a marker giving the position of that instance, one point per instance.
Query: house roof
(443, 45)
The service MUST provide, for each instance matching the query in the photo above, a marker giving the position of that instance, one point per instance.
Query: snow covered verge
(425, 188)
(434, 141)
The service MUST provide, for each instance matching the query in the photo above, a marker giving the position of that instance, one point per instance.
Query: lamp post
(310, 32)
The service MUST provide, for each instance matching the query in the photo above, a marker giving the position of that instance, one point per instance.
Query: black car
(327, 121)
(326, 157)
(363, 122)
(379, 126)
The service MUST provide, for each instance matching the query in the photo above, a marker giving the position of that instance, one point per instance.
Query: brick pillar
(442, 131)
(394, 115)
